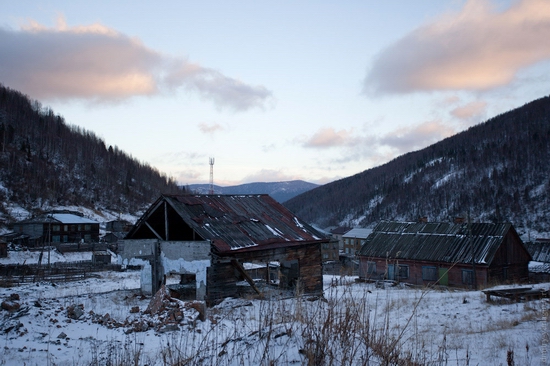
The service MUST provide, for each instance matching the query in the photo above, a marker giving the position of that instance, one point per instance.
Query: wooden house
(59, 227)
(425, 253)
(213, 236)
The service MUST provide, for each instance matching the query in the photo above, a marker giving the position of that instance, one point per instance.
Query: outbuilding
(453, 254)
(210, 239)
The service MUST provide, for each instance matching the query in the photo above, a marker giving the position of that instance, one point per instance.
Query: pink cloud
(210, 128)
(477, 48)
(329, 137)
(471, 110)
(97, 63)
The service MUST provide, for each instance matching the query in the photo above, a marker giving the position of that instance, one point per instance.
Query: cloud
(478, 48)
(416, 137)
(210, 129)
(472, 110)
(97, 63)
(328, 137)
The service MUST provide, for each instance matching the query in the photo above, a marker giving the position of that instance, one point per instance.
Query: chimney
(423, 219)
(459, 220)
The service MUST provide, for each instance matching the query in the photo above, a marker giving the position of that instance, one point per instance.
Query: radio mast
(211, 176)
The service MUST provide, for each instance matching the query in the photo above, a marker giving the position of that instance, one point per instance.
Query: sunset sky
(275, 90)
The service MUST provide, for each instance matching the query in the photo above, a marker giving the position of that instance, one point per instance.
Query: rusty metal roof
(241, 222)
(436, 241)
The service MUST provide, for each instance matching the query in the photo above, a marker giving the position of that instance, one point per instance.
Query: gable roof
(539, 250)
(438, 242)
(236, 222)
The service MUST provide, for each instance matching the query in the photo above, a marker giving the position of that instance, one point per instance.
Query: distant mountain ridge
(497, 171)
(280, 191)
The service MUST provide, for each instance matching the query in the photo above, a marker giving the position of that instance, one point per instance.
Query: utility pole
(473, 251)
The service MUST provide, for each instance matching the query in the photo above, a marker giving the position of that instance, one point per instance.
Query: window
(371, 267)
(66, 227)
(467, 277)
(403, 271)
(325, 256)
(429, 273)
(65, 238)
(79, 227)
(55, 228)
(325, 245)
(396, 272)
(87, 237)
(87, 227)
(56, 238)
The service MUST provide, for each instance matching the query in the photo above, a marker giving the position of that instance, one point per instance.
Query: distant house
(338, 233)
(354, 240)
(118, 226)
(210, 239)
(329, 251)
(424, 253)
(59, 227)
(539, 269)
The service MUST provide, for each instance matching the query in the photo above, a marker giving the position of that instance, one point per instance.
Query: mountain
(45, 163)
(496, 171)
(280, 191)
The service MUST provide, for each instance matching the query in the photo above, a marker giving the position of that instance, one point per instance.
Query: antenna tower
(211, 176)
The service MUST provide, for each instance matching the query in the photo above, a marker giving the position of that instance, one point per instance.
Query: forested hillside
(498, 171)
(45, 162)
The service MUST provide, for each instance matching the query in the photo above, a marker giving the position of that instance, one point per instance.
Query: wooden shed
(454, 254)
(238, 229)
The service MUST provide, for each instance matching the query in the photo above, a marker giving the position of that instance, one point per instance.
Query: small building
(208, 239)
(59, 227)
(426, 253)
(354, 239)
(118, 226)
(101, 257)
(539, 268)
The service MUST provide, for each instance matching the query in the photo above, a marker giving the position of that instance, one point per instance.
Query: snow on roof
(358, 233)
(65, 218)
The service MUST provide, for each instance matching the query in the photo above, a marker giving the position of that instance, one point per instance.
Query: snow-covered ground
(430, 326)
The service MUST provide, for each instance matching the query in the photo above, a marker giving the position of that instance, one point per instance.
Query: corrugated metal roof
(235, 222)
(433, 241)
(539, 250)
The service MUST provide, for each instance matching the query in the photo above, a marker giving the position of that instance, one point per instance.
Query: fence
(15, 274)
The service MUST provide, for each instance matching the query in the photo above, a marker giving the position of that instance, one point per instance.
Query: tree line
(46, 162)
(497, 171)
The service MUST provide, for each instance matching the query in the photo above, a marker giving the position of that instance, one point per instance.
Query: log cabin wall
(222, 277)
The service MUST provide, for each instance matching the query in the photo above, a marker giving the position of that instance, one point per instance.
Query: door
(391, 271)
(443, 276)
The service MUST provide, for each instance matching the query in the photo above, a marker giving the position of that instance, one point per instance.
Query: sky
(275, 91)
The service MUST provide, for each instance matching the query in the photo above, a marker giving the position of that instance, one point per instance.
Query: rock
(134, 309)
(14, 297)
(37, 304)
(10, 306)
(62, 335)
(75, 311)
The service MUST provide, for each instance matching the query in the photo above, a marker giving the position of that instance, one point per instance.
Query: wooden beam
(153, 230)
(248, 279)
(166, 221)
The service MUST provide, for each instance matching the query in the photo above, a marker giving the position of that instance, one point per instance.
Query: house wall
(183, 257)
(511, 262)
(222, 276)
(452, 272)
